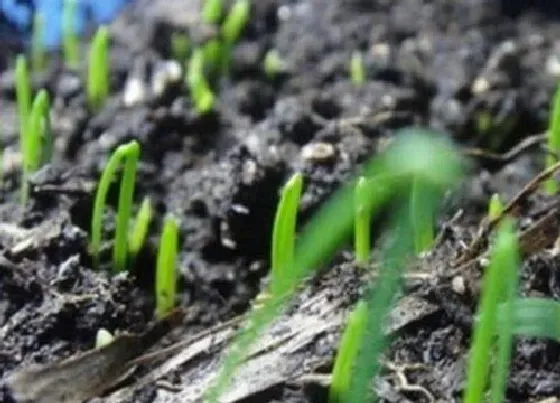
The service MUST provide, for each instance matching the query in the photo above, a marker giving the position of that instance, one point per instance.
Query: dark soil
(482, 72)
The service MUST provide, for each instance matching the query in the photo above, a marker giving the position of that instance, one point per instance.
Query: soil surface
(481, 72)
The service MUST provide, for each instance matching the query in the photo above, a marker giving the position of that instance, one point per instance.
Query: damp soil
(481, 72)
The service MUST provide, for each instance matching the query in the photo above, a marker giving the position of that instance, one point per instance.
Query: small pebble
(317, 152)
(103, 337)
(458, 285)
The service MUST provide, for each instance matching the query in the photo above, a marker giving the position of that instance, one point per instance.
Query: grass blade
(165, 269)
(362, 230)
(141, 225)
(553, 136)
(98, 70)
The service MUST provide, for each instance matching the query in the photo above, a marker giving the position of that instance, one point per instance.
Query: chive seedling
(129, 154)
(199, 89)
(212, 11)
(98, 71)
(165, 269)
(362, 233)
(347, 351)
(70, 40)
(235, 21)
(357, 74)
(39, 136)
(23, 97)
(495, 207)
(284, 233)
(499, 285)
(422, 215)
(137, 237)
(553, 140)
(37, 43)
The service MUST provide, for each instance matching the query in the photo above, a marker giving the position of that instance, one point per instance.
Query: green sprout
(213, 57)
(415, 154)
(272, 63)
(357, 74)
(165, 269)
(495, 207)
(347, 352)
(37, 43)
(235, 21)
(212, 11)
(362, 231)
(127, 153)
(70, 40)
(98, 72)
(180, 44)
(284, 232)
(499, 286)
(422, 216)
(199, 88)
(553, 137)
(138, 236)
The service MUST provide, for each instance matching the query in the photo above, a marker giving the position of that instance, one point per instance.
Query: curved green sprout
(199, 89)
(347, 352)
(284, 232)
(139, 233)
(98, 69)
(235, 21)
(362, 231)
(70, 40)
(166, 281)
(357, 73)
(422, 213)
(553, 136)
(129, 154)
(499, 286)
(495, 207)
(212, 11)
(40, 140)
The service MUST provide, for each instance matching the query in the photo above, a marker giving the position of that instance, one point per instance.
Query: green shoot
(165, 269)
(362, 231)
(347, 352)
(39, 136)
(212, 11)
(272, 63)
(357, 74)
(499, 285)
(70, 40)
(422, 216)
(180, 46)
(235, 22)
(213, 54)
(138, 236)
(495, 207)
(414, 154)
(553, 136)
(284, 232)
(129, 154)
(199, 89)
(98, 71)
(536, 317)
(37, 45)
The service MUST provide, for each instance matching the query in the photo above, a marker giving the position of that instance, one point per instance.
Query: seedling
(347, 352)
(495, 207)
(553, 136)
(422, 214)
(180, 46)
(165, 269)
(413, 154)
(70, 40)
(37, 44)
(39, 136)
(272, 64)
(138, 236)
(212, 11)
(127, 153)
(235, 22)
(499, 285)
(362, 231)
(357, 74)
(284, 233)
(199, 89)
(98, 72)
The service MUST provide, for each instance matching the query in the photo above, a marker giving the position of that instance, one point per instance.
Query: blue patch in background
(97, 12)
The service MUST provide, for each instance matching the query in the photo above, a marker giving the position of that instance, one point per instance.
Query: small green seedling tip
(499, 286)
(235, 21)
(127, 153)
(139, 233)
(495, 207)
(166, 281)
(347, 351)
(180, 44)
(362, 230)
(357, 73)
(212, 11)
(272, 63)
(98, 70)
(70, 40)
(553, 139)
(284, 233)
(422, 215)
(38, 58)
(199, 88)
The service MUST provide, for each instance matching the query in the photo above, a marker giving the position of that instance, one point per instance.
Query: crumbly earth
(481, 72)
